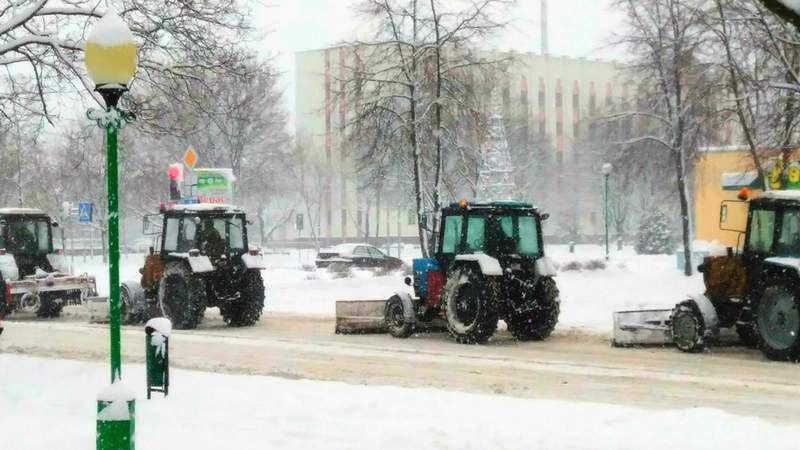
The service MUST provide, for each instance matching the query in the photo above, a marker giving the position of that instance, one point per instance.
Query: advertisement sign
(214, 185)
(792, 175)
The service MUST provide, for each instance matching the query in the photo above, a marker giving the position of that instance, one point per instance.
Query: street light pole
(607, 168)
(110, 55)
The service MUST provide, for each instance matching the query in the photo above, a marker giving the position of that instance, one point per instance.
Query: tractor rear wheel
(127, 309)
(687, 328)
(181, 296)
(777, 319)
(395, 317)
(541, 316)
(467, 298)
(245, 311)
(50, 306)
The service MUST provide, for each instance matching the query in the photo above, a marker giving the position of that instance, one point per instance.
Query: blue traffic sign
(85, 212)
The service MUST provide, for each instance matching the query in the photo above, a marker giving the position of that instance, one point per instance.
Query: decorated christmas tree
(495, 173)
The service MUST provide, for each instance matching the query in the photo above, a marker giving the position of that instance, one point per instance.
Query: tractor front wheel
(540, 317)
(127, 309)
(777, 319)
(245, 311)
(687, 328)
(396, 321)
(467, 298)
(182, 296)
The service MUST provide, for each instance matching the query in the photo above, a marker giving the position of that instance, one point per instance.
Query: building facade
(554, 96)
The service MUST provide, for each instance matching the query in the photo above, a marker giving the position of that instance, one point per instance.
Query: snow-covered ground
(588, 297)
(211, 411)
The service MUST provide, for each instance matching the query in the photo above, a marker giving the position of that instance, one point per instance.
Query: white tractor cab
(33, 275)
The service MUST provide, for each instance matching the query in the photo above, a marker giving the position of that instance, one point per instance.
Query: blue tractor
(489, 264)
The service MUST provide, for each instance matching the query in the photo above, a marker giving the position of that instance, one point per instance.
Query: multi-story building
(555, 96)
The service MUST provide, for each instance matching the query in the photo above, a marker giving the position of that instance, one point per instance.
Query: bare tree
(407, 79)
(666, 39)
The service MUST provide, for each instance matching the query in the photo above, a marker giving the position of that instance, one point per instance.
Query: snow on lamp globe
(110, 57)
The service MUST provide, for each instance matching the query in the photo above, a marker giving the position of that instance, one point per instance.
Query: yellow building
(720, 173)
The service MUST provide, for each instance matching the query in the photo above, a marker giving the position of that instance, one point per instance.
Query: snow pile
(111, 31)
(489, 266)
(315, 414)
(116, 391)
(162, 325)
(117, 411)
(794, 5)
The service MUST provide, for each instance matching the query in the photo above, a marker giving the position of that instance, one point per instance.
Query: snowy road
(571, 366)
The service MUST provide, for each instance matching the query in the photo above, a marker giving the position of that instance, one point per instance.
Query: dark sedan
(358, 255)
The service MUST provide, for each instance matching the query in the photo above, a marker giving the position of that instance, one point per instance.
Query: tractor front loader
(754, 289)
(489, 265)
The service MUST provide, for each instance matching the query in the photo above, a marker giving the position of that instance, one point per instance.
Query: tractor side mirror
(408, 281)
(54, 224)
(150, 224)
(733, 216)
(545, 216)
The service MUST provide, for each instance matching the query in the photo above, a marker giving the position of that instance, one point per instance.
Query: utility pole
(545, 49)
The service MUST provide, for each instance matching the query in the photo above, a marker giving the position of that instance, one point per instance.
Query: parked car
(357, 255)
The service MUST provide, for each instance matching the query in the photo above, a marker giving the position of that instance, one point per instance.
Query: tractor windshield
(25, 235)
(498, 235)
(212, 235)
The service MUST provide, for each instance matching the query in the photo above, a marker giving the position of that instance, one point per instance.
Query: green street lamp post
(607, 168)
(110, 56)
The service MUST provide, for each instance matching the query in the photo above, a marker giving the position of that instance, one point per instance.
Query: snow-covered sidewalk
(211, 411)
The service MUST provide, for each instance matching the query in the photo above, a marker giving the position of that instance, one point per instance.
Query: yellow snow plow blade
(646, 327)
(360, 316)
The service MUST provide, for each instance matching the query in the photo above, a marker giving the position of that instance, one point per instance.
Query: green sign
(214, 185)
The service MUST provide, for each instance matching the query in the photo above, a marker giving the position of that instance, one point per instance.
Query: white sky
(576, 28)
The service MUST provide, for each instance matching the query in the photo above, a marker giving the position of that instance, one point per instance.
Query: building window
(412, 217)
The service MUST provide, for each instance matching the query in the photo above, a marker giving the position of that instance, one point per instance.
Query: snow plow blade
(360, 316)
(646, 327)
(98, 309)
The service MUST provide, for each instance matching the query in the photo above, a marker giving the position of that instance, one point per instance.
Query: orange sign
(190, 158)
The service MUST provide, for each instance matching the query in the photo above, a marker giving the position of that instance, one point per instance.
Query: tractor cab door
(760, 241)
(450, 239)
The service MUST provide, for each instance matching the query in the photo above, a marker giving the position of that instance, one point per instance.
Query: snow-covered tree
(408, 77)
(667, 39)
(41, 45)
(654, 236)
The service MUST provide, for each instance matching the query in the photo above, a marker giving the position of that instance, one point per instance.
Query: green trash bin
(116, 418)
(157, 355)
